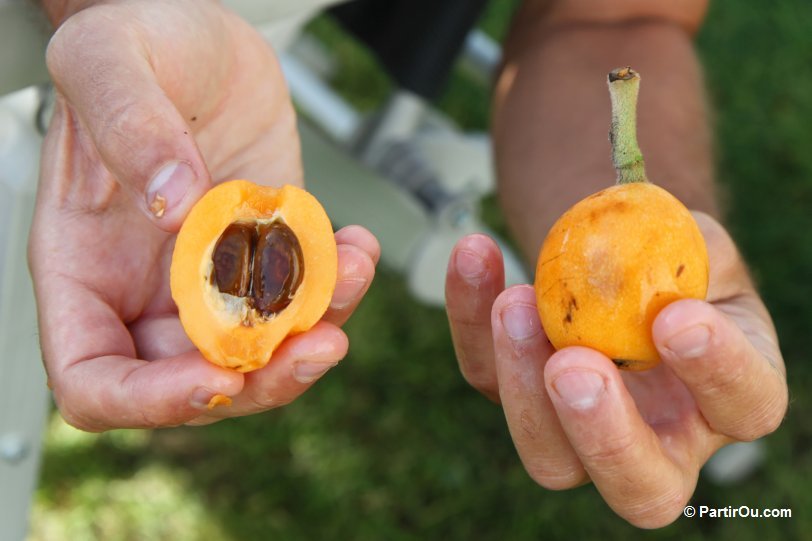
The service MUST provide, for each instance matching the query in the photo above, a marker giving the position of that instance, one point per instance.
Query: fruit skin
(207, 316)
(611, 263)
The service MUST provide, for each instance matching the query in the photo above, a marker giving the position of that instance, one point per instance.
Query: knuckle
(147, 420)
(555, 475)
(265, 402)
(70, 44)
(722, 381)
(480, 379)
(469, 325)
(127, 116)
(752, 407)
(762, 422)
(774, 419)
(657, 511)
(56, 53)
(75, 417)
(612, 453)
(140, 416)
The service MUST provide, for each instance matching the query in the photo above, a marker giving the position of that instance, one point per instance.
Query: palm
(237, 108)
(663, 400)
(116, 253)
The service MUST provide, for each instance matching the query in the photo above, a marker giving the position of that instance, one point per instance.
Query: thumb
(142, 138)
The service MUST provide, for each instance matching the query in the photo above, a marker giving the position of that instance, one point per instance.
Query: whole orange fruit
(615, 259)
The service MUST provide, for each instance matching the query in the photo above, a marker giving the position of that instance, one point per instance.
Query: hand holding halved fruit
(640, 436)
(262, 284)
(191, 95)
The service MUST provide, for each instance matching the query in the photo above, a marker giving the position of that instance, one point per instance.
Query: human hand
(155, 102)
(640, 437)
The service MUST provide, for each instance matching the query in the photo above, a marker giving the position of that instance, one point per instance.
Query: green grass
(393, 444)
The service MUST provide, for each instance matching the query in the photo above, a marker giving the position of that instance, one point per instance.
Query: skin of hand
(641, 438)
(156, 101)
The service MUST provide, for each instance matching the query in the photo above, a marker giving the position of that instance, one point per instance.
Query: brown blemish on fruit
(618, 206)
(605, 210)
(604, 274)
(680, 269)
(571, 306)
(551, 259)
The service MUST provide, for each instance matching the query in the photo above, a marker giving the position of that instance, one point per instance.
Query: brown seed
(262, 263)
(232, 259)
(277, 268)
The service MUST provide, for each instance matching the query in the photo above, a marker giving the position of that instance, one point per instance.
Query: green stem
(624, 84)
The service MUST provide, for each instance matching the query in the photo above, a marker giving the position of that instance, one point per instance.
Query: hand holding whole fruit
(643, 288)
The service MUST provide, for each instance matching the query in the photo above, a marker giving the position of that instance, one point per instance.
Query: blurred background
(393, 444)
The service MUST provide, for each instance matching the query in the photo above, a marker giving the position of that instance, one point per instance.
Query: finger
(619, 450)
(159, 337)
(358, 251)
(475, 277)
(298, 363)
(97, 382)
(106, 78)
(121, 392)
(362, 238)
(522, 349)
(740, 390)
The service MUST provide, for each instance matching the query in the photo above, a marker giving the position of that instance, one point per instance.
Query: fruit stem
(624, 84)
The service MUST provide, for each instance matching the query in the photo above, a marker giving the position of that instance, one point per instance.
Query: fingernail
(470, 266)
(168, 187)
(347, 292)
(206, 399)
(690, 343)
(521, 321)
(307, 372)
(580, 390)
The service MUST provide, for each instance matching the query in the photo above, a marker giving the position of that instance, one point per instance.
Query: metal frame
(23, 392)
